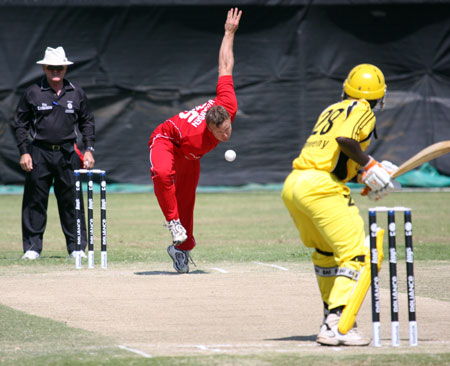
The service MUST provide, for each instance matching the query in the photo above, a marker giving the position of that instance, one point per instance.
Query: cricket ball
(230, 155)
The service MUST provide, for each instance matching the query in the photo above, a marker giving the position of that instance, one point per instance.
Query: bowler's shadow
(306, 338)
(167, 273)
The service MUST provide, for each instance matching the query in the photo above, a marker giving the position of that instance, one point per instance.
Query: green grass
(237, 227)
(234, 227)
(31, 340)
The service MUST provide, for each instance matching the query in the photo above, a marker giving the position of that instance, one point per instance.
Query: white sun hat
(55, 57)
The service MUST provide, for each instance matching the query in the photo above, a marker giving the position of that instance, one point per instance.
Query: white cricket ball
(230, 155)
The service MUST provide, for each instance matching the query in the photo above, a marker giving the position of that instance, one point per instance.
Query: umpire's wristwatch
(90, 148)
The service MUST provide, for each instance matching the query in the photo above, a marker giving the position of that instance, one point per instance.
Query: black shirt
(51, 118)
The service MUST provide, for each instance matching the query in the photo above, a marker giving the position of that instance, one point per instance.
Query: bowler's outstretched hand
(233, 18)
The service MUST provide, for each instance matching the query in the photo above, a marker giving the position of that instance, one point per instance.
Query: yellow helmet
(365, 81)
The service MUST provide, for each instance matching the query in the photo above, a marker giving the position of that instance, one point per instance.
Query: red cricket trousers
(175, 180)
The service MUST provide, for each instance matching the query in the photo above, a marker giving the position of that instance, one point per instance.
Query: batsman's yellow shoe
(330, 336)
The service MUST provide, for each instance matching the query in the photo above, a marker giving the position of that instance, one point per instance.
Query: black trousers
(51, 168)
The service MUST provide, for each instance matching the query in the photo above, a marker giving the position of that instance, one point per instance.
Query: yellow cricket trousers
(329, 221)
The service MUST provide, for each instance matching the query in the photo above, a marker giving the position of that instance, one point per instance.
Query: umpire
(46, 122)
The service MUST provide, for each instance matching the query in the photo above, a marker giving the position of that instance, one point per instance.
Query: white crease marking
(206, 348)
(272, 265)
(220, 270)
(141, 353)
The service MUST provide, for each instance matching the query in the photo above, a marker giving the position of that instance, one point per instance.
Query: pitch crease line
(271, 265)
(219, 269)
(141, 353)
(206, 348)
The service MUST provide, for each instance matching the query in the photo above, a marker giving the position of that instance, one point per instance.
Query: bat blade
(423, 156)
(429, 153)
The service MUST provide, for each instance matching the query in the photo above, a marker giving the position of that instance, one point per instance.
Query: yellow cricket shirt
(350, 118)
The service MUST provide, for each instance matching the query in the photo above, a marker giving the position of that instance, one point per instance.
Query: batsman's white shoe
(323, 327)
(82, 254)
(180, 259)
(330, 336)
(31, 255)
(177, 230)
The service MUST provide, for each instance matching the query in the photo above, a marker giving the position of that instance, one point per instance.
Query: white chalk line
(221, 347)
(206, 348)
(230, 347)
(271, 265)
(141, 353)
(221, 270)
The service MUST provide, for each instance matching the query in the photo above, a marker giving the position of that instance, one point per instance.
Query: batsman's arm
(353, 150)
(226, 56)
(374, 174)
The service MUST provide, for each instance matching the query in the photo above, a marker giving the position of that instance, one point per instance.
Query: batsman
(322, 209)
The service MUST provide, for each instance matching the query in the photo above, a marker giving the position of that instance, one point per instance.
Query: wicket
(375, 287)
(90, 219)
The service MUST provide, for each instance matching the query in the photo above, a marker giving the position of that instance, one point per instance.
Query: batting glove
(378, 195)
(375, 176)
(390, 167)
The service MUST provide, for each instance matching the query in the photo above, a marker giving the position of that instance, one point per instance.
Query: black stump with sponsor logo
(90, 217)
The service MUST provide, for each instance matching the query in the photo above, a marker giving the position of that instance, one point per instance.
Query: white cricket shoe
(330, 336)
(180, 259)
(31, 255)
(177, 230)
(323, 326)
(74, 253)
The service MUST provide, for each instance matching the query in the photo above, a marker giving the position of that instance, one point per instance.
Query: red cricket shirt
(188, 130)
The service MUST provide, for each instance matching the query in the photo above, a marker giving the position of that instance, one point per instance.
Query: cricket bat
(429, 153)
